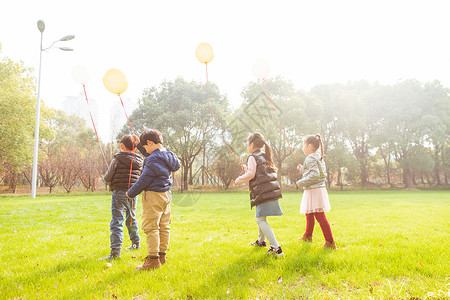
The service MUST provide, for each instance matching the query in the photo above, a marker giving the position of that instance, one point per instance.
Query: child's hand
(299, 166)
(135, 139)
(244, 167)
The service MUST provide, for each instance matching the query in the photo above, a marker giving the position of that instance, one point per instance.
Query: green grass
(392, 244)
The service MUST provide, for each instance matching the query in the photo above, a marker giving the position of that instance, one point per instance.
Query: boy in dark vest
(119, 179)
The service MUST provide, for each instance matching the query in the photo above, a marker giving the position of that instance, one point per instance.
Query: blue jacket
(156, 173)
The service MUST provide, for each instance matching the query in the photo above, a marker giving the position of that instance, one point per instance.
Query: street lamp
(41, 27)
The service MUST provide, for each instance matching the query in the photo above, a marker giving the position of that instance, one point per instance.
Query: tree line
(373, 134)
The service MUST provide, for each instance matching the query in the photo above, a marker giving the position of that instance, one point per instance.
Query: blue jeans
(121, 205)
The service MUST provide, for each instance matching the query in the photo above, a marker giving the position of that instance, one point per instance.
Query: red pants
(323, 222)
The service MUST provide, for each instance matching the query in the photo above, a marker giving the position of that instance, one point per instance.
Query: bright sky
(307, 42)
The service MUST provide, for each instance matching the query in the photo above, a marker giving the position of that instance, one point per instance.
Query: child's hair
(258, 141)
(316, 141)
(151, 135)
(127, 141)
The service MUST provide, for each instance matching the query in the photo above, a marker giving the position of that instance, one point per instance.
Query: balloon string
(95, 129)
(129, 183)
(125, 113)
(131, 167)
(132, 156)
(279, 125)
(214, 117)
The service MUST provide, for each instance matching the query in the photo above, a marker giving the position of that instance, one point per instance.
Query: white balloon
(81, 75)
(261, 68)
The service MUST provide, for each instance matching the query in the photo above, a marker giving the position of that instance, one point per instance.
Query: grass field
(391, 245)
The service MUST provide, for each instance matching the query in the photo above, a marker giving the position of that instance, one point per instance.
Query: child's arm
(144, 180)
(142, 150)
(311, 171)
(138, 145)
(108, 177)
(250, 173)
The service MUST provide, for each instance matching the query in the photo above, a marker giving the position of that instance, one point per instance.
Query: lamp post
(41, 27)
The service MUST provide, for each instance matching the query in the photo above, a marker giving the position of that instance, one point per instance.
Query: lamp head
(66, 49)
(66, 38)
(41, 25)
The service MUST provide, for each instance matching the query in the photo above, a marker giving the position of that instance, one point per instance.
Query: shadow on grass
(256, 270)
(80, 276)
(253, 270)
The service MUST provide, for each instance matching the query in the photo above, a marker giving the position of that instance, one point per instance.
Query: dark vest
(122, 173)
(264, 187)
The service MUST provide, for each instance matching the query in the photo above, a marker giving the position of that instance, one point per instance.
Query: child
(155, 181)
(264, 190)
(315, 197)
(118, 177)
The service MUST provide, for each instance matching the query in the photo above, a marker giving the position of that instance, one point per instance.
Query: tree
(73, 153)
(437, 122)
(225, 167)
(256, 115)
(329, 112)
(290, 168)
(91, 166)
(337, 157)
(406, 130)
(49, 171)
(70, 166)
(17, 115)
(180, 110)
(360, 124)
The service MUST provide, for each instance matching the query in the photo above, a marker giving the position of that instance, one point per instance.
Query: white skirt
(315, 200)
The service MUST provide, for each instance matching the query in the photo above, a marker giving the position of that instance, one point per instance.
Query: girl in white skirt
(315, 197)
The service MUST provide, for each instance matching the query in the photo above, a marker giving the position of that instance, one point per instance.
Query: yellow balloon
(204, 53)
(115, 81)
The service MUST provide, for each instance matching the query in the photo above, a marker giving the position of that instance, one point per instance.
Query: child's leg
(265, 228)
(261, 235)
(116, 225)
(131, 221)
(309, 225)
(325, 226)
(164, 229)
(152, 210)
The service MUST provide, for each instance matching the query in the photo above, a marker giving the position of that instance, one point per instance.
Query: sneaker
(259, 244)
(305, 238)
(115, 254)
(329, 245)
(151, 262)
(277, 252)
(133, 247)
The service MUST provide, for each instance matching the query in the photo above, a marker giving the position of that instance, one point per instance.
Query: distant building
(108, 119)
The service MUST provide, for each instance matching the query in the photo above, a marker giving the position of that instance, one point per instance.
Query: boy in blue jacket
(156, 181)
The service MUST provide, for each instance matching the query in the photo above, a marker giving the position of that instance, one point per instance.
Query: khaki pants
(156, 220)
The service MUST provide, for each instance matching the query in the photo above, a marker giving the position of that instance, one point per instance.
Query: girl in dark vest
(265, 191)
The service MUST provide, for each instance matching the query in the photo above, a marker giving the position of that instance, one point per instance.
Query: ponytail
(269, 157)
(322, 155)
(258, 141)
(316, 142)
